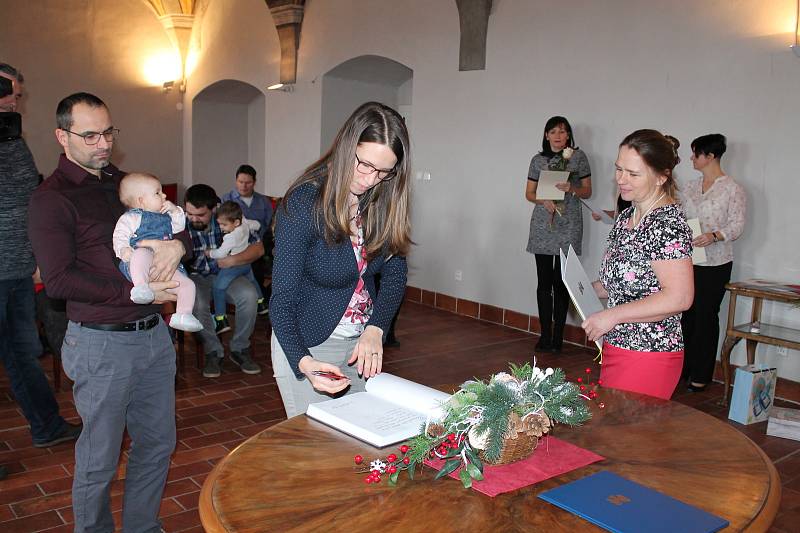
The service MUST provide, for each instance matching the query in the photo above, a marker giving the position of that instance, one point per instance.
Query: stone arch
(358, 80)
(228, 129)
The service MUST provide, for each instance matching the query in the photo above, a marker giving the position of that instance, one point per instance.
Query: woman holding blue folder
(646, 273)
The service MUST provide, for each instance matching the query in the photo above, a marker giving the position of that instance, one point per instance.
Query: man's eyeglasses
(91, 138)
(366, 169)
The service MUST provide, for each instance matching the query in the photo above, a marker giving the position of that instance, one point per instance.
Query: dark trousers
(552, 297)
(700, 323)
(261, 271)
(53, 316)
(19, 352)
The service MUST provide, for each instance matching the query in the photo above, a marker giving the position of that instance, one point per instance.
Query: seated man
(205, 234)
(255, 206)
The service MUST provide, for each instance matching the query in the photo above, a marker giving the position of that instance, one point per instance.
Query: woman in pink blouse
(719, 203)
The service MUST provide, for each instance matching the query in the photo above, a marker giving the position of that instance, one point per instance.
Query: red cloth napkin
(551, 458)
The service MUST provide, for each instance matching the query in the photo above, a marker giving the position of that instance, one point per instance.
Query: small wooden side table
(758, 290)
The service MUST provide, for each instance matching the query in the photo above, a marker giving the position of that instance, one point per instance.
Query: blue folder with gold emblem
(620, 505)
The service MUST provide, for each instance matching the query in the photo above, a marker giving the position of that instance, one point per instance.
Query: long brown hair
(385, 207)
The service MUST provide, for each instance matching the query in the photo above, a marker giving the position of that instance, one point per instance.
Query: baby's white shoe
(141, 294)
(185, 322)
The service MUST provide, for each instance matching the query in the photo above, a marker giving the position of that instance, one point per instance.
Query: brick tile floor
(216, 415)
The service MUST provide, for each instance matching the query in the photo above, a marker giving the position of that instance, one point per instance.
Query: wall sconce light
(169, 85)
(284, 87)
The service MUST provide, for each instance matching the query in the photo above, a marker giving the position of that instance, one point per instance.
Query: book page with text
(407, 393)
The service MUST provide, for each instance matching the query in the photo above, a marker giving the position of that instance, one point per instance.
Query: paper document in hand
(392, 409)
(698, 253)
(546, 188)
(580, 289)
(604, 218)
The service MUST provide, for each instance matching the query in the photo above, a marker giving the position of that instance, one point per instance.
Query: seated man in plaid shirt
(205, 234)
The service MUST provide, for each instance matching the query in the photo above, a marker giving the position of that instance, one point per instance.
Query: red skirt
(652, 373)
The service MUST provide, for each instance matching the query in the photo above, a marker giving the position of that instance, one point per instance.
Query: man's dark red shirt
(72, 216)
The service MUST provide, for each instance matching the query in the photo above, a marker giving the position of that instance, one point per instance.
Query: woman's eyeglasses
(366, 169)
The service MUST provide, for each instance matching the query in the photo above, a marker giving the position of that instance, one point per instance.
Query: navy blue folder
(618, 504)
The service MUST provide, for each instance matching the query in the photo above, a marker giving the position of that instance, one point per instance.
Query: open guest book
(618, 504)
(392, 409)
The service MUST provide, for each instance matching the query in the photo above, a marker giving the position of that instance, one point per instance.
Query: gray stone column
(288, 18)
(474, 18)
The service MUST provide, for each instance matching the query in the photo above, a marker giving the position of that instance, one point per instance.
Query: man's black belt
(139, 325)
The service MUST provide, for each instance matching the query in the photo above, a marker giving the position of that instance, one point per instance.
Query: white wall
(228, 125)
(256, 137)
(340, 97)
(220, 143)
(687, 67)
(99, 47)
(236, 39)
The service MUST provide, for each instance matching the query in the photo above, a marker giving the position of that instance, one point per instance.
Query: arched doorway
(228, 129)
(358, 80)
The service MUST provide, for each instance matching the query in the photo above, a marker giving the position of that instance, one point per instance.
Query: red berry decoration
(403, 449)
(392, 469)
(451, 437)
(588, 370)
(580, 380)
(406, 460)
(599, 381)
(583, 387)
(391, 458)
(368, 480)
(358, 459)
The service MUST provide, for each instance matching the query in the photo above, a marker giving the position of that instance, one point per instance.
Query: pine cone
(537, 424)
(435, 430)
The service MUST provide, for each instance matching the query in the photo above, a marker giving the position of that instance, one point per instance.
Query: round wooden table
(297, 476)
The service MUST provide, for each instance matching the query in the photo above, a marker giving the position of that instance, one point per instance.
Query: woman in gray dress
(556, 225)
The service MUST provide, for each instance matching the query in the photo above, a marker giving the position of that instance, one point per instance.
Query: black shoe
(70, 432)
(246, 364)
(263, 307)
(221, 324)
(544, 345)
(696, 388)
(212, 367)
(557, 345)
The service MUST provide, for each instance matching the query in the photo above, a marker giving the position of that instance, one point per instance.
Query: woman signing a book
(646, 273)
(344, 220)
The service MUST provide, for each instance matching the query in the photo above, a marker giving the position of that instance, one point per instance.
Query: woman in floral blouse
(556, 225)
(646, 273)
(720, 204)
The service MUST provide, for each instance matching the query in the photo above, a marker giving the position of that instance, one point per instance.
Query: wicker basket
(521, 438)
